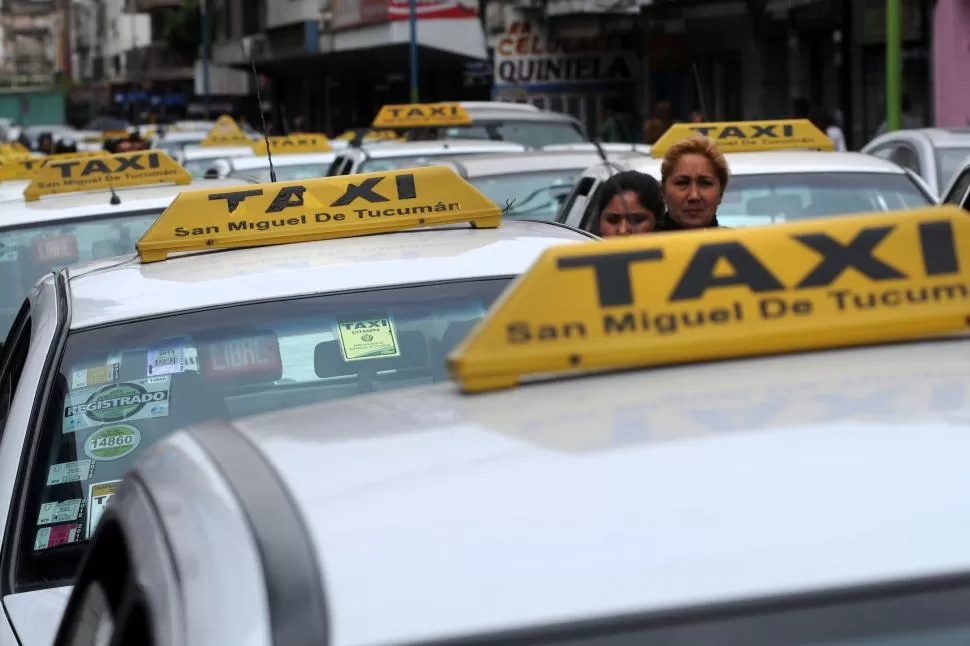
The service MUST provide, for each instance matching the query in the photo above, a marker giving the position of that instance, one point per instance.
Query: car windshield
(29, 252)
(283, 173)
(949, 161)
(121, 387)
(533, 134)
(534, 196)
(752, 200)
(915, 615)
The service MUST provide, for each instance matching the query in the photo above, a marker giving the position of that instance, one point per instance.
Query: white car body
(932, 153)
(242, 167)
(356, 160)
(198, 159)
(797, 163)
(123, 289)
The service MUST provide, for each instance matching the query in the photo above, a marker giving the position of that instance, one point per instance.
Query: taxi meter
(748, 136)
(105, 172)
(721, 293)
(316, 209)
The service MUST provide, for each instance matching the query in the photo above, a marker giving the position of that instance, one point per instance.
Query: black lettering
(612, 273)
(518, 332)
(731, 132)
(235, 198)
(363, 190)
(612, 324)
(287, 197)
(95, 166)
(836, 258)
(763, 131)
(748, 270)
(939, 248)
(65, 168)
(125, 163)
(405, 187)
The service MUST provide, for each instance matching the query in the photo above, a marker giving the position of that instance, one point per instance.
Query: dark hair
(646, 188)
(65, 145)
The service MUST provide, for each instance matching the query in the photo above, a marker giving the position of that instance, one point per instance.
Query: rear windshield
(919, 616)
(534, 196)
(27, 253)
(283, 173)
(763, 199)
(122, 387)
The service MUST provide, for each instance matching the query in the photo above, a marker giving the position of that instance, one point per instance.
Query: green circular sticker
(112, 442)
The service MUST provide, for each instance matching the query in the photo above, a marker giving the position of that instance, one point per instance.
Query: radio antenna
(262, 116)
(616, 184)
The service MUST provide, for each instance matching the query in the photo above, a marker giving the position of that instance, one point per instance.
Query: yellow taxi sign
(347, 135)
(25, 166)
(308, 143)
(115, 134)
(726, 293)
(380, 135)
(748, 136)
(416, 115)
(226, 132)
(13, 148)
(317, 209)
(141, 168)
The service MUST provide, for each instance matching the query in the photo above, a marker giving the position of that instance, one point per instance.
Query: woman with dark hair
(630, 203)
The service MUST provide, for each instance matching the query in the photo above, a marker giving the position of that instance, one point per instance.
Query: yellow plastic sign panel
(13, 148)
(115, 134)
(26, 166)
(226, 132)
(141, 168)
(748, 136)
(318, 209)
(307, 143)
(347, 135)
(714, 294)
(416, 115)
(381, 135)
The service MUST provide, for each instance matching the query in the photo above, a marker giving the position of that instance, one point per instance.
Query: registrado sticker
(130, 400)
(48, 537)
(367, 338)
(112, 442)
(99, 495)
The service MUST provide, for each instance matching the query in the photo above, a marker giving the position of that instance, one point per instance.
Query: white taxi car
(751, 437)
(199, 159)
(365, 277)
(790, 175)
(371, 158)
(79, 219)
(935, 154)
(302, 156)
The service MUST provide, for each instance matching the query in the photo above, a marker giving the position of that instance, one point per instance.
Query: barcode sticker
(167, 360)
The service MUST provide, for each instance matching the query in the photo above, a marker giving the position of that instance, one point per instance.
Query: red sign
(55, 249)
(245, 356)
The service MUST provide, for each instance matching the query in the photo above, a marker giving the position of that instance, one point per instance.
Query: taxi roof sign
(226, 132)
(317, 209)
(417, 115)
(295, 143)
(71, 175)
(26, 166)
(13, 148)
(668, 299)
(748, 136)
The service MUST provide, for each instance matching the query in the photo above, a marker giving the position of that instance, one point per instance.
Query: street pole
(894, 64)
(413, 19)
(205, 57)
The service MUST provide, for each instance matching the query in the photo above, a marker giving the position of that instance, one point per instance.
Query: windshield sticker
(166, 360)
(70, 472)
(66, 511)
(131, 400)
(96, 376)
(99, 495)
(112, 442)
(370, 338)
(48, 537)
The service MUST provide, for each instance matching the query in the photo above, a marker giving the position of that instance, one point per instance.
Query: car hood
(36, 615)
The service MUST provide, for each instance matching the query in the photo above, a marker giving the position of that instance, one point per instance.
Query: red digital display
(55, 249)
(256, 356)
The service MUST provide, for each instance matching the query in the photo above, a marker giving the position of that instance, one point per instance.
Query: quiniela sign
(526, 56)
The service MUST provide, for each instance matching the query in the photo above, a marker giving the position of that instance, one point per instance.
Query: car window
(29, 252)
(763, 199)
(958, 191)
(122, 387)
(948, 162)
(533, 134)
(535, 196)
(905, 156)
(576, 200)
(13, 359)
(283, 173)
(902, 617)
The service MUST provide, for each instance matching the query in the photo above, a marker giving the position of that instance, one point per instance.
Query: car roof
(948, 137)
(523, 162)
(128, 289)
(68, 206)
(409, 148)
(193, 153)
(635, 492)
(479, 115)
(783, 162)
(296, 159)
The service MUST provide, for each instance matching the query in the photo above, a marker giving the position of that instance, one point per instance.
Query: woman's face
(693, 191)
(626, 215)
